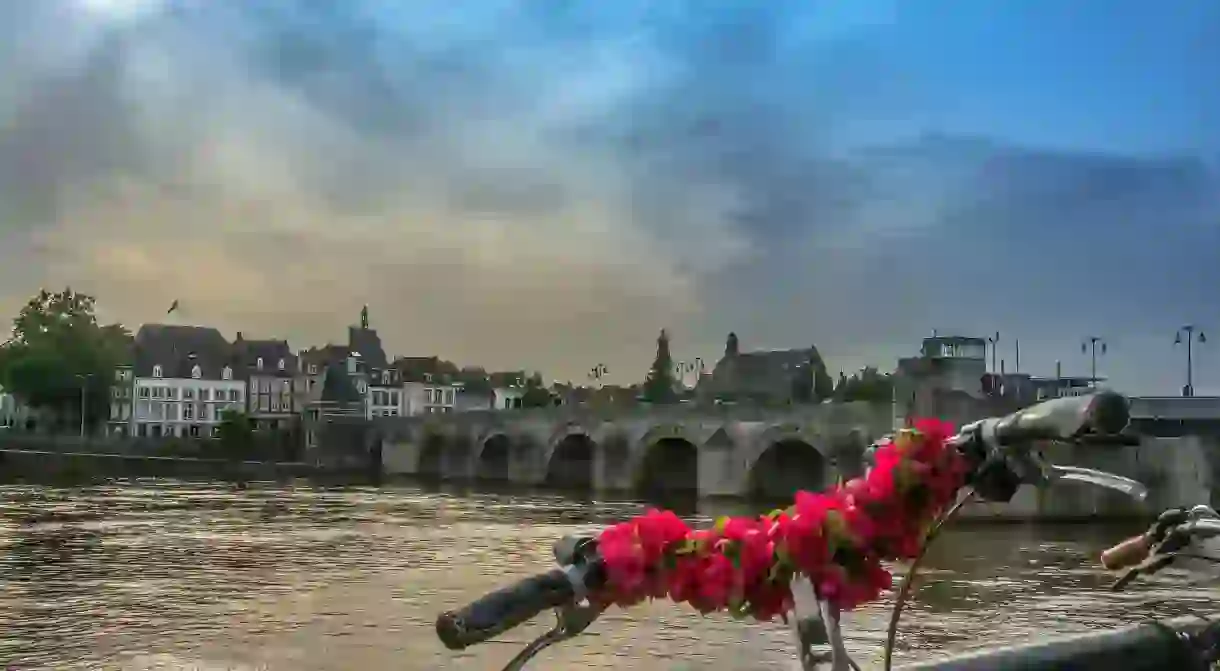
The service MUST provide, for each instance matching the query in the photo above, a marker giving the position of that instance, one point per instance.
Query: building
(767, 377)
(427, 388)
(185, 378)
(275, 387)
(122, 398)
(13, 413)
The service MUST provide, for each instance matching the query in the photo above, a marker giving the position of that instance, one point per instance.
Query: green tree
(659, 385)
(60, 361)
(235, 435)
(536, 395)
(868, 385)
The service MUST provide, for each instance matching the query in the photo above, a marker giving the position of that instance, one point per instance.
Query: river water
(162, 575)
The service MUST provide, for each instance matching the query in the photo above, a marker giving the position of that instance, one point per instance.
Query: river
(164, 575)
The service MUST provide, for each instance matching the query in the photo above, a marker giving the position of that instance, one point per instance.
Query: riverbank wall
(34, 457)
(1178, 472)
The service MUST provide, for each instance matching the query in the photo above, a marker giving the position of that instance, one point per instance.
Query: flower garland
(836, 538)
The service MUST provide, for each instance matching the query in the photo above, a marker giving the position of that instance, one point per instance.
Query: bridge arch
(570, 459)
(493, 456)
(785, 460)
(666, 462)
(431, 460)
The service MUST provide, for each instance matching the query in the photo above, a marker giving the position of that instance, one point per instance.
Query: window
(194, 431)
(394, 398)
(427, 377)
(188, 394)
(157, 370)
(361, 387)
(280, 364)
(259, 363)
(188, 411)
(143, 393)
(385, 377)
(227, 373)
(448, 397)
(196, 372)
(205, 394)
(313, 369)
(234, 395)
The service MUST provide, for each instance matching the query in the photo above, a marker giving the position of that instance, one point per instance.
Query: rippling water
(157, 575)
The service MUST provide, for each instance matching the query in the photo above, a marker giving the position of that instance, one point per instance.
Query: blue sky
(548, 184)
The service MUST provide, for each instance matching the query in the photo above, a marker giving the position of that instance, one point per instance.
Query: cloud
(543, 184)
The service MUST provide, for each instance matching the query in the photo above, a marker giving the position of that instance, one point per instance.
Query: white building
(507, 398)
(12, 412)
(428, 394)
(384, 396)
(184, 381)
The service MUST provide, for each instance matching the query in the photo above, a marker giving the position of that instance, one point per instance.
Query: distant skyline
(546, 185)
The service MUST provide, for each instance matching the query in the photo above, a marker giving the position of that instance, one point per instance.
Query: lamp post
(598, 372)
(1089, 346)
(84, 399)
(1188, 333)
(994, 341)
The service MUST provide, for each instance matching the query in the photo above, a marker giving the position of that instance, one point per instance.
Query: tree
(659, 385)
(868, 385)
(59, 357)
(536, 395)
(235, 435)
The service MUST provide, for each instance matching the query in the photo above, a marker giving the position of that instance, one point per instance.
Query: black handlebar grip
(504, 609)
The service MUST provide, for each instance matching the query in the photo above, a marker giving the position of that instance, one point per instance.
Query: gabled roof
(178, 349)
(248, 352)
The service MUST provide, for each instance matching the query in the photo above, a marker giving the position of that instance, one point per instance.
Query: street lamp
(1089, 346)
(994, 341)
(1188, 334)
(84, 386)
(598, 372)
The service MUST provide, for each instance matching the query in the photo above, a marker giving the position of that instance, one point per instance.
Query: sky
(548, 183)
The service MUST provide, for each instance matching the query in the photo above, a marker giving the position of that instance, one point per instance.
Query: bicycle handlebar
(499, 611)
(1104, 412)
(1128, 553)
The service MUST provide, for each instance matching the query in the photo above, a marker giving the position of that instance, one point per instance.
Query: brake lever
(570, 621)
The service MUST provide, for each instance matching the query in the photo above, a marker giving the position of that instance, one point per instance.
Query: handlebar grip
(1127, 553)
(504, 609)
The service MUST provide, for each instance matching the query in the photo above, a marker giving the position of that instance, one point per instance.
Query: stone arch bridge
(721, 451)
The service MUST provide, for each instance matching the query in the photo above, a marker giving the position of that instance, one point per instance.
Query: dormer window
(157, 370)
(259, 363)
(385, 377)
(196, 372)
(427, 377)
(313, 369)
(280, 365)
(227, 373)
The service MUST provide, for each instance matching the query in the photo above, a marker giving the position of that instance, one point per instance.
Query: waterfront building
(185, 377)
(275, 387)
(427, 388)
(122, 398)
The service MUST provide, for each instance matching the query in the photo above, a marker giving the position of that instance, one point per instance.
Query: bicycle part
(570, 621)
(1103, 413)
(506, 608)
(1177, 644)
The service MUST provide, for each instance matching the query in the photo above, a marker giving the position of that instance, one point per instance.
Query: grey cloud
(527, 186)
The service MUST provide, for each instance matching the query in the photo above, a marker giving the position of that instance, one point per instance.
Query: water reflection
(155, 575)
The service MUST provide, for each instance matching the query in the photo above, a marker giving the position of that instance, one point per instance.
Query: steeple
(730, 346)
